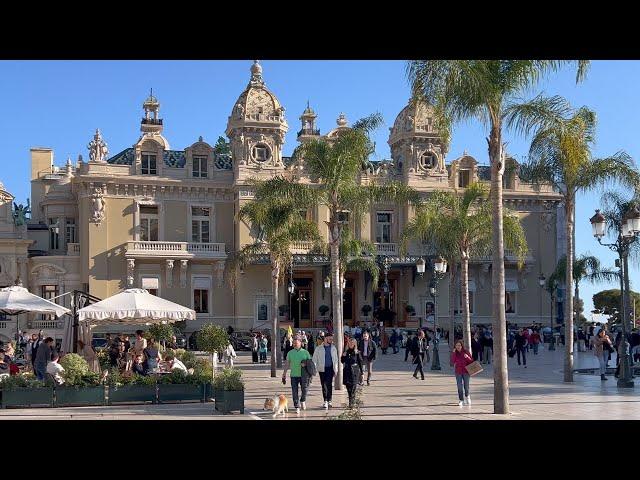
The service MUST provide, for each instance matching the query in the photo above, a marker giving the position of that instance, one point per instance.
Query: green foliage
(323, 309)
(608, 302)
(104, 360)
(410, 309)
(75, 369)
(160, 331)
(366, 309)
(354, 413)
(229, 379)
(221, 146)
(212, 338)
(25, 380)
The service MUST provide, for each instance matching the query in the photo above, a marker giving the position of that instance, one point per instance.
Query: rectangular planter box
(227, 401)
(71, 396)
(27, 397)
(168, 393)
(132, 394)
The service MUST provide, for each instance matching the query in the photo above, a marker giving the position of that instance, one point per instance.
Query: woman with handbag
(601, 348)
(352, 360)
(460, 358)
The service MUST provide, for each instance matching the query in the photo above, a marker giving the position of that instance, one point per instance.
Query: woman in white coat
(229, 355)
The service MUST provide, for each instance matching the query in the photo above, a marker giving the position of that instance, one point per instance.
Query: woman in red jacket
(460, 358)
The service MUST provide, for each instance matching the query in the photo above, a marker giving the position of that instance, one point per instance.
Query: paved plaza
(537, 393)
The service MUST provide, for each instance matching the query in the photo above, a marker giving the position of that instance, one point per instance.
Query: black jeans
(406, 353)
(326, 380)
(524, 355)
(295, 382)
(419, 359)
(351, 390)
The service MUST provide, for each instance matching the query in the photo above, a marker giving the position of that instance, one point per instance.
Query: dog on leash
(278, 405)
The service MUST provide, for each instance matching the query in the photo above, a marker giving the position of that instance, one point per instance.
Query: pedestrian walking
(326, 359)
(476, 347)
(43, 357)
(294, 361)
(460, 358)
(384, 342)
(535, 341)
(418, 351)
(254, 348)
(352, 361)
(601, 347)
(369, 351)
(634, 344)
(519, 344)
(262, 349)
(407, 345)
(487, 347)
(394, 341)
(229, 355)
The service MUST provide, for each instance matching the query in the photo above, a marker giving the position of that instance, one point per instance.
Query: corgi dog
(280, 405)
(269, 404)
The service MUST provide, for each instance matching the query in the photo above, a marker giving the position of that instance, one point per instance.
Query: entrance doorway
(302, 302)
(349, 302)
(385, 303)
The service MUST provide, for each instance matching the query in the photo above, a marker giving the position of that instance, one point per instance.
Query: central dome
(257, 99)
(416, 116)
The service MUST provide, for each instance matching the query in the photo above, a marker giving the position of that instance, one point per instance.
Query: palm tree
(585, 267)
(459, 227)
(336, 165)
(560, 154)
(280, 224)
(486, 90)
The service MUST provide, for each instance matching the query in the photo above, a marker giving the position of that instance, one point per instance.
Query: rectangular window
(70, 230)
(471, 302)
(200, 167)
(149, 164)
(261, 154)
(54, 234)
(383, 227)
(200, 224)
(201, 300)
(464, 178)
(510, 302)
(49, 292)
(149, 223)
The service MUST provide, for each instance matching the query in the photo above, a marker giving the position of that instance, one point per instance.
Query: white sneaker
(325, 405)
(297, 409)
(330, 406)
(460, 403)
(303, 405)
(467, 400)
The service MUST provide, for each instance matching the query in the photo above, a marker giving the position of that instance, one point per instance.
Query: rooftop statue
(20, 213)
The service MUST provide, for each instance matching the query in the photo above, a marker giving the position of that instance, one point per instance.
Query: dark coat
(415, 348)
(371, 355)
(352, 367)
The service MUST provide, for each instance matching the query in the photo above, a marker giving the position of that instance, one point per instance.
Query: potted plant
(212, 339)
(365, 310)
(81, 387)
(410, 310)
(131, 389)
(229, 391)
(162, 332)
(25, 391)
(323, 309)
(179, 387)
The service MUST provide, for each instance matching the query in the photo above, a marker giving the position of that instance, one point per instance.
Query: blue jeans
(295, 382)
(460, 380)
(535, 348)
(41, 371)
(602, 360)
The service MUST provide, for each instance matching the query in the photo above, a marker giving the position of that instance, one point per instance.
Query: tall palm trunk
(466, 315)
(452, 304)
(500, 372)
(336, 293)
(628, 310)
(275, 332)
(568, 306)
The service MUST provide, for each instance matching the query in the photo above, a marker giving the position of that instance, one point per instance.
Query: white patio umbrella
(16, 299)
(134, 306)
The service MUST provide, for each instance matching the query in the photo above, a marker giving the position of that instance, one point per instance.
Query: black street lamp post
(627, 229)
(439, 270)
(550, 288)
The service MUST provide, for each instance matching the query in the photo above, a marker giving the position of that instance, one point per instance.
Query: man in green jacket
(295, 361)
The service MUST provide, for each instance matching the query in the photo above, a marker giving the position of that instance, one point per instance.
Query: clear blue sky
(59, 104)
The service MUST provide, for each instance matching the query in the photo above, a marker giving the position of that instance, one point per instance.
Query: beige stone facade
(164, 220)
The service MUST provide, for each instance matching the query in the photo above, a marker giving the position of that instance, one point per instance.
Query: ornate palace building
(164, 220)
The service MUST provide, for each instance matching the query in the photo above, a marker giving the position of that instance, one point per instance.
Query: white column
(136, 221)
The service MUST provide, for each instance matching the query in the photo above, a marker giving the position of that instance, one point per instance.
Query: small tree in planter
(365, 310)
(229, 390)
(162, 332)
(323, 309)
(75, 367)
(410, 310)
(212, 339)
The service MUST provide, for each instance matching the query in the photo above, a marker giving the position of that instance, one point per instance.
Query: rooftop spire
(256, 75)
(97, 148)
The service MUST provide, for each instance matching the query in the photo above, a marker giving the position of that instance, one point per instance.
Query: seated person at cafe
(175, 364)
(140, 343)
(138, 366)
(152, 355)
(118, 356)
(55, 369)
(4, 363)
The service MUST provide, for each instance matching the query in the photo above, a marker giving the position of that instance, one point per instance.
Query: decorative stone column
(183, 273)
(131, 266)
(169, 272)
(22, 271)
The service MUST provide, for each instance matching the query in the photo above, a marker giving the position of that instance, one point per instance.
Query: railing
(73, 249)
(387, 248)
(301, 247)
(152, 121)
(179, 249)
(263, 117)
(45, 324)
(3, 325)
(309, 131)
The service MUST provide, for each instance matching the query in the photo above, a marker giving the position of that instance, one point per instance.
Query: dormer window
(261, 153)
(464, 178)
(149, 165)
(200, 167)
